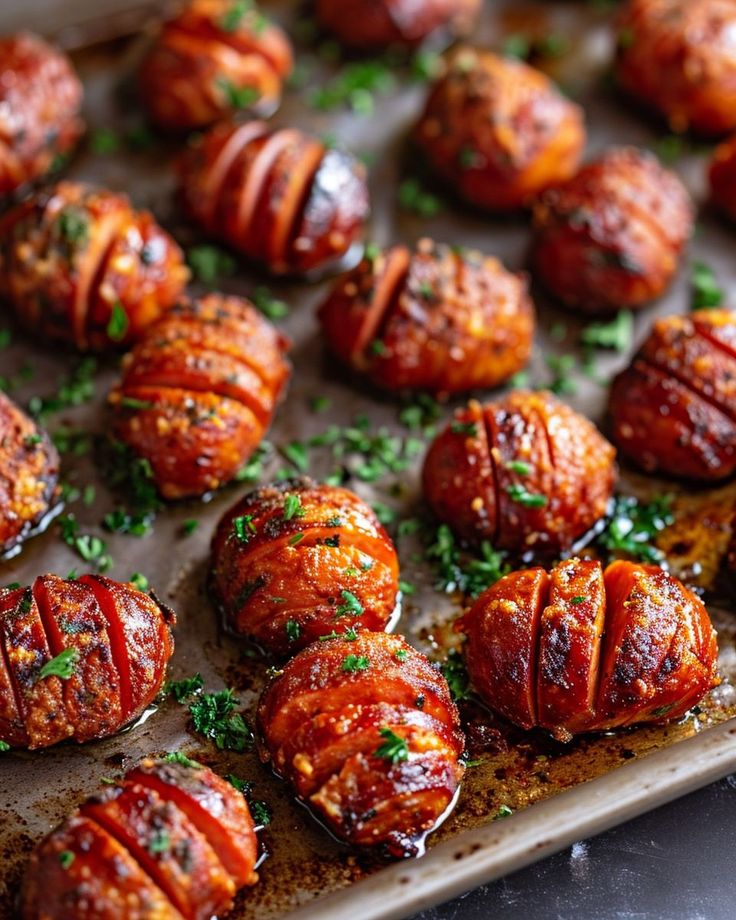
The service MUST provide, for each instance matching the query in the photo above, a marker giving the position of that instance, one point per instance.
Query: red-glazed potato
(29, 475)
(674, 408)
(722, 177)
(79, 265)
(581, 649)
(199, 391)
(526, 473)
(294, 561)
(436, 319)
(213, 58)
(366, 732)
(278, 196)
(170, 841)
(373, 25)
(109, 644)
(612, 236)
(498, 131)
(676, 57)
(40, 102)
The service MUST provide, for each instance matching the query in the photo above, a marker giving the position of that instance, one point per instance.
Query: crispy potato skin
(372, 25)
(435, 319)
(676, 57)
(321, 724)
(280, 580)
(40, 101)
(207, 59)
(74, 255)
(498, 131)
(611, 237)
(722, 177)
(582, 649)
(168, 842)
(526, 473)
(29, 475)
(673, 410)
(199, 391)
(278, 196)
(122, 641)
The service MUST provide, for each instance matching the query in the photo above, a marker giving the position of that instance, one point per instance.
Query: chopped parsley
(104, 141)
(578, 599)
(460, 570)
(350, 633)
(503, 812)
(237, 97)
(119, 521)
(74, 390)
(350, 606)
(414, 197)
(189, 526)
(517, 493)
(89, 547)
(616, 334)
(706, 292)
(520, 467)
(271, 307)
(293, 507)
(209, 263)
(293, 629)
(117, 326)
(159, 843)
(62, 666)
(139, 581)
(352, 663)
(66, 858)
(400, 654)
(213, 716)
(394, 748)
(4, 746)
(633, 526)
(182, 690)
(467, 428)
(182, 759)
(73, 225)
(455, 673)
(243, 527)
(297, 538)
(355, 86)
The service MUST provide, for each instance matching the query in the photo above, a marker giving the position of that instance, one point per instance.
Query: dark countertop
(675, 863)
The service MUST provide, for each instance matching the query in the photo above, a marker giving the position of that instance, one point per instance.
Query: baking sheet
(303, 862)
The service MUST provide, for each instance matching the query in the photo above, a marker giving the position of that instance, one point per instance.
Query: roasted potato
(498, 131)
(278, 196)
(674, 408)
(199, 391)
(80, 658)
(170, 841)
(580, 649)
(213, 58)
(435, 319)
(366, 732)
(29, 477)
(40, 102)
(525, 473)
(612, 236)
(294, 561)
(374, 25)
(676, 57)
(80, 266)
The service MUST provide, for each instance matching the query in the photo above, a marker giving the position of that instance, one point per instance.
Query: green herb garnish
(293, 630)
(182, 690)
(394, 748)
(353, 663)
(517, 493)
(213, 716)
(351, 606)
(706, 292)
(117, 326)
(62, 666)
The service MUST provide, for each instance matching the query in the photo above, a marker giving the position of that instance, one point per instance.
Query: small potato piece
(525, 473)
(676, 57)
(674, 408)
(612, 236)
(295, 561)
(213, 58)
(436, 319)
(498, 131)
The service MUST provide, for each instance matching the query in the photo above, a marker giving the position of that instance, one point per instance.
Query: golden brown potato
(278, 196)
(373, 25)
(580, 649)
(676, 57)
(199, 391)
(40, 102)
(366, 732)
(435, 319)
(612, 236)
(498, 131)
(526, 473)
(29, 476)
(213, 58)
(722, 177)
(294, 561)
(79, 265)
(79, 659)
(674, 408)
(170, 841)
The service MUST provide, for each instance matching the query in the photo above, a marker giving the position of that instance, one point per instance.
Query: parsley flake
(394, 748)
(62, 666)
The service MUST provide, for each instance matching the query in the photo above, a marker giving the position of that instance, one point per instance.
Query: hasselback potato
(581, 649)
(435, 319)
(80, 658)
(498, 131)
(294, 561)
(199, 391)
(79, 265)
(366, 732)
(278, 196)
(170, 841)
(526, 473)
(29, 475)
(612, 236)
(722, 177)
(676, 57)
(40, 102)
(373, 25)
(213, 58)
(674, 408)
